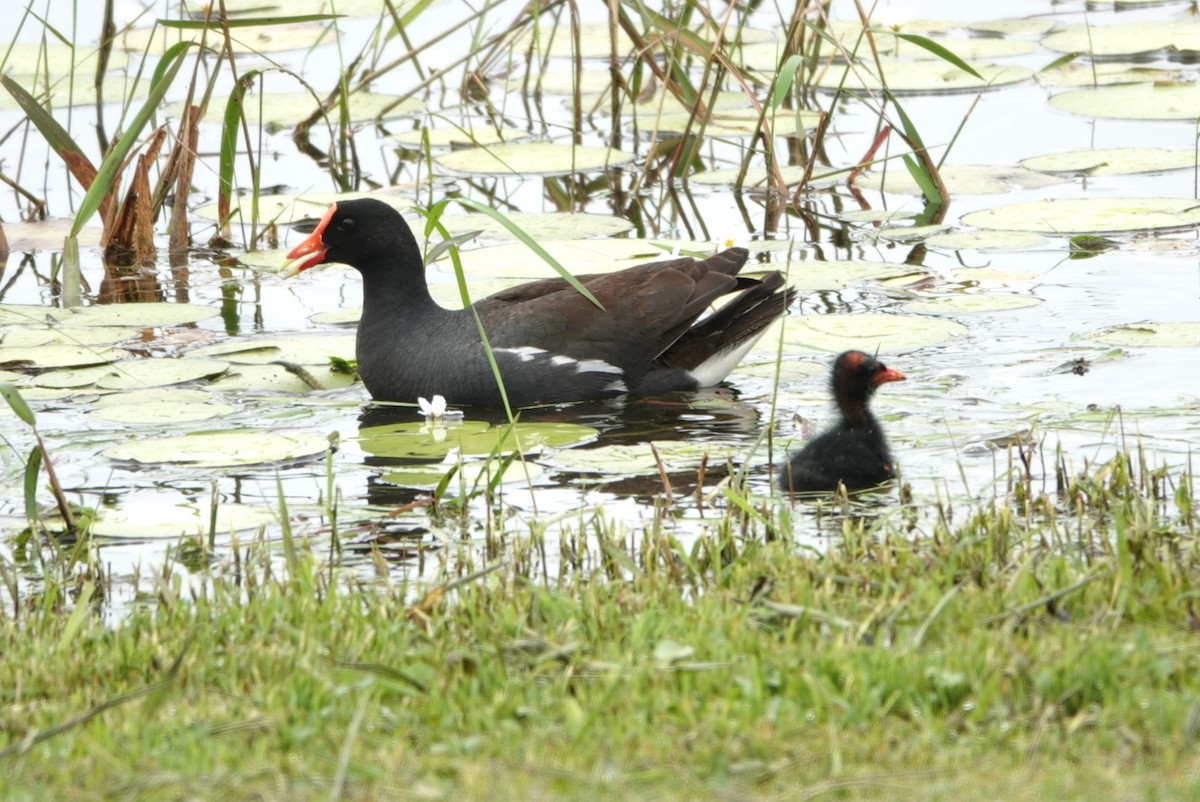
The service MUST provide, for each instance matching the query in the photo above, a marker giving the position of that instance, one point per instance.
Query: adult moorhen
(854, 451)
(551, 343)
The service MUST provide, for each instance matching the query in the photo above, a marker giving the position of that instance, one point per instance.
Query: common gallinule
(853, 451)
(550, 343)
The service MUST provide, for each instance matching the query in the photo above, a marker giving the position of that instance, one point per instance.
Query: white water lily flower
(435, 409)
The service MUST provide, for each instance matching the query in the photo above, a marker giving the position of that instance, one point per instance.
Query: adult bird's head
(364, 233)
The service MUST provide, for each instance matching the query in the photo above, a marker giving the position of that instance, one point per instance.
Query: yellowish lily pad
(1113, 161)
(962, 179)
(934, 75)
(147, 519)
(160, 406)
(221, 449)
(1149, 101)
(532, 158)
(1089, 215)
(970, 303)
(135, 373)
(1126, 39)
(1172, 335)
(303, 349)
(986, 240)
(868, 331)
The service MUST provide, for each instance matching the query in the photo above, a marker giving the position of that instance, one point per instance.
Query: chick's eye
(347, 224)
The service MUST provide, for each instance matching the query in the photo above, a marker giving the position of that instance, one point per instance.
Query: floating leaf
(267, 38)
(221, 449)
(1090, 73)
(303, 349)
(756, 177)
(1125, 39)
(1172, 335)
(1113, 161)
(160, 406)
(446, 135)
(470, 473)
(420, 440)
(925, 76)
(47, 235)
(287, 109)
(278, 379)
(986, 240)
(962, 179)
(1133, 102)
(970, 303)
(56, 356)
(1089, 215)
(868, 331)
(134, 373)
(155, 315)
(532, 158)
(290, 208)
(839, 275)
(145, 519)
(28, 337)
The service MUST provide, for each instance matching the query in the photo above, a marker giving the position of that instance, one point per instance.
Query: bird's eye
(347, 224)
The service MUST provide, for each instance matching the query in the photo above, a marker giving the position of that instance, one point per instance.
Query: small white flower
(432, 410)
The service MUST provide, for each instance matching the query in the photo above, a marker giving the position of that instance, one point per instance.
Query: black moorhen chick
(551, 343)
(854, 451)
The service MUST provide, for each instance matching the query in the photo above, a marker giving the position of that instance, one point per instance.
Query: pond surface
(1009, 324)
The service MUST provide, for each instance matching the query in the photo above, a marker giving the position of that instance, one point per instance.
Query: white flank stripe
(526, 352)
(713, 370)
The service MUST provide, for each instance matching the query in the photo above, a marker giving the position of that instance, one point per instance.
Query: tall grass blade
(938, 50)
(17, 403)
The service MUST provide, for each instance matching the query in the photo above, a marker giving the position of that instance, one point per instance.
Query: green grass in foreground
(1046, 652)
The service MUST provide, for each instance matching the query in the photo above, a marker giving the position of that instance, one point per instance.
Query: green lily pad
(46, 235)
(532, 158)
(970, 303)
(446, 135)
(962, 179)
(868, 331)
(1126, 39)
(1105, 73)
(735, 123)
(425, 441)
(79, 90)
(41, 357)
(927, 76)
(56, 59)
(340, 317)
(1133, 101)
(638, 459)
(222, 449)
(756, 177)
(252, 39)
(480, 472)
(289, 207)
(68, 378)
(838, 275)
(287, 109)
(1113, 161)
(877, 215)
(1089, 215)
(539, 225)
(515, 260)
(135, 373)
(159, 405)
(28, 337)
(303, 349)
(278, 379)
(986, 240)
(148, 519)
(1172, 335)
(154, 315)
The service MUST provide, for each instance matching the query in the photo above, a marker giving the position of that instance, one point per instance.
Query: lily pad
(221, 449)
(287, 109)
(1113, 161)
(79, 90)
(146, 519)
(1126, 39)
(868, 331)
(42, 357)
(292, 207)
(931, 76)
(272, 38)
(540, 225)
(423, 441)
(154, 315)
(339, 317)
(756, 177)
(278, 379)
(1027, 26)
(532, 158)
(638, 459)
(303, 349)
(970, 303)
(56, 59)
(67, 378)
(911, 233)
(27, 337)
(445, 136)
(962, 179)
(160, 406)
(134, 373)
(986, 240)
(428, 477)
(515, 260)
(47, 235)
(1089, 215)
(838, 275)
(1172, 335)
(1133, 101)
(1105, 73)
